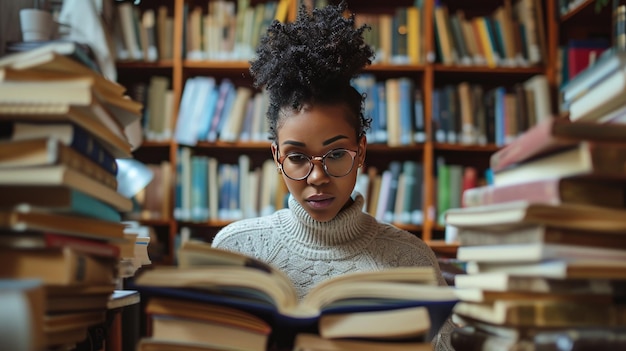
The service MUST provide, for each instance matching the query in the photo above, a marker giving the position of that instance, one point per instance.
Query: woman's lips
(319, 201)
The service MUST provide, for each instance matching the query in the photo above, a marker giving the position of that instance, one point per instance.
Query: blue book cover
(204, 104)
(86, 205)
(182, 133)
(406, 110)
(199, 188)
(70, 134)
(59, 200)
(226, 88)
(381, 129)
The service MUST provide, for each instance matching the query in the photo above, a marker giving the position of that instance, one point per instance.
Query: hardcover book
(550, 135)
(51, 151)
(221, 277)
(520, 213)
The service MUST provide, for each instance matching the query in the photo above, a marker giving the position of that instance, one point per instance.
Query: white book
(233, 124)
(536, 252)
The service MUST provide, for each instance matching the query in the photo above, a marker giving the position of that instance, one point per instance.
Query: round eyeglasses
(337, 163)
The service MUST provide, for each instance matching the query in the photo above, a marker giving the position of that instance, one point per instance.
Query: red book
(551, 135)
(580, 53)
(33, 239)
(552, 191)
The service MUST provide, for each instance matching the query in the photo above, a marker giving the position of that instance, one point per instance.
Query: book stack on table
(62, 128)
(545, 244)
(221, 300)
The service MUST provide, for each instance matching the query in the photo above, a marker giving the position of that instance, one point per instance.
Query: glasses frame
(322, 159)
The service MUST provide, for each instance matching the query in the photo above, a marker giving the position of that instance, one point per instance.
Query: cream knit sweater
(309, 251)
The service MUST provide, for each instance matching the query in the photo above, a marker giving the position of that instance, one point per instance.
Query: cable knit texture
(309, 251)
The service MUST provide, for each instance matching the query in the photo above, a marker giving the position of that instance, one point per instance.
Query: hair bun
(320, 51)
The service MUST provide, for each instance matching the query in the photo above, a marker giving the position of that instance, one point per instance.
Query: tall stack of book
(544, 244)
(222, 300)
(62, 129)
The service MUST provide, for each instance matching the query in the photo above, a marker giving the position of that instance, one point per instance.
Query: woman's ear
(362, 149)
(274, 149)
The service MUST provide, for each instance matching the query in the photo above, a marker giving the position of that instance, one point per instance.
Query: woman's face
(314, 131)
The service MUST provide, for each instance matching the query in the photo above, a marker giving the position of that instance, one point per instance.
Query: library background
(131, 127)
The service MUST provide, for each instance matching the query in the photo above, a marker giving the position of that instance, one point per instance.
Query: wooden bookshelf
(428, 76)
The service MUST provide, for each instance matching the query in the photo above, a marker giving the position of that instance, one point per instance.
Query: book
(40, 240)
(501, 281)
(555, 269)
(217, 276)
(582, 52)
(603, 98)
(534, 334)
(66, 328)
(312, 342)
(59, 200)
(552, 191)
(59, 56)
(51, 151)
(70, 90)
(402, 323)
(25, 217)
(64, 177)
(153, 344)
(64, 299)
(597, 160)
(57, 266)
(550, 135)
(478, 338)
(48, 115)
(123, 110)
(607, 64)
(487, 296)
(203, 323)
(68, 134)
(535, 252)
(538, 233)
(543, 313)
(520, 213)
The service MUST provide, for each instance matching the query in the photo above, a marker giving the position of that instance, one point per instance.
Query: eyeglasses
(337, 163)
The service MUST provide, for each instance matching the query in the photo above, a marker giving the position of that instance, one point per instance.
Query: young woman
(318, 138)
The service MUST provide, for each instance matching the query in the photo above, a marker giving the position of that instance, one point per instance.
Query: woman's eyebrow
(333, 139)
(293, 142)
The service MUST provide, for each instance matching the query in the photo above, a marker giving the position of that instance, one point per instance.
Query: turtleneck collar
(347, 233)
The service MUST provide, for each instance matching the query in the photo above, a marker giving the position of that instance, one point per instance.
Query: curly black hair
(311, 61)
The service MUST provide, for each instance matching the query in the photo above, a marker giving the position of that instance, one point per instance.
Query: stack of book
(60, 224)
(596, 93)
(544, 244)
(221, 300)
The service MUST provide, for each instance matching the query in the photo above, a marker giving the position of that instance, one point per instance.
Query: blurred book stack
(62, 128)
(134, 253)
(545, 244)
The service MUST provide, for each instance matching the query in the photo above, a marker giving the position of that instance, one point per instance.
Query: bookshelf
(428, 76)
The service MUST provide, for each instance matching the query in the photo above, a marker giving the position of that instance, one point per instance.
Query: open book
(218, 276)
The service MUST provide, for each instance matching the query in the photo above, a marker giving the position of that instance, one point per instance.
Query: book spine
(544, 191)
(76, 160)
(87, 145)
(533, 142)
(85, 246)
(63, 266)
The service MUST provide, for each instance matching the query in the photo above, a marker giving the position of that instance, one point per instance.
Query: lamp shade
(132, 176)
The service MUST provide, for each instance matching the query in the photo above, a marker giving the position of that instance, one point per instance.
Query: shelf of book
(427, 71)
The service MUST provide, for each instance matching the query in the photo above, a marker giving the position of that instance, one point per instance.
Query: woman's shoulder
(245, 230)
(392, 233)
(402, 241)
